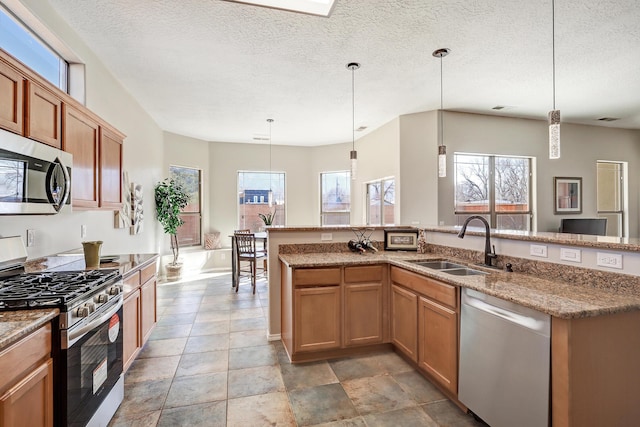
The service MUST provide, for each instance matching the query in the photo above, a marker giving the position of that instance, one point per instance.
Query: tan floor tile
(203, 363)
(162, 348)
(149, 419)
(197, 389)
(152, 369)
(210, 414)
(377, 394)
(271, 409)
(248, 338)
(253, 381)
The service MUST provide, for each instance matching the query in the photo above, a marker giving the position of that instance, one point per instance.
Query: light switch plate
(31, 236)
(573, 255)
(538, 250)
(605, 259)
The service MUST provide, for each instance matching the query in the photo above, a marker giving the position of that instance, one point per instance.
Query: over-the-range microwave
(35, 178)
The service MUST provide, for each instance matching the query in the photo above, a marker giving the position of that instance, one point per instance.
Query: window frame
(322, 211)
(381, 182)
(190, 214)
(491, 214)
(257, 225)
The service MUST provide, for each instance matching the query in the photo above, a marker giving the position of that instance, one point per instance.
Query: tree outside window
(335, 190)
(381, 201)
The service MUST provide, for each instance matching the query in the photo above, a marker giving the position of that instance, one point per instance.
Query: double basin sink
(449, 268)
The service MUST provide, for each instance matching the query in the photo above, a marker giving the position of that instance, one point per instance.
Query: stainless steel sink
(463, 272)
(438, 265)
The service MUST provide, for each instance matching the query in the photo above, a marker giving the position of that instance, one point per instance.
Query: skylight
(312, 7)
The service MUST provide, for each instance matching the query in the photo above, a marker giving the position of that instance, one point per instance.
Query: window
(335, 204)
(253, 198)
(189, 233)
(381, 202)
(496, 187)
(21, 43)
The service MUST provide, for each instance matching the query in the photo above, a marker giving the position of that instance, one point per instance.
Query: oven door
(93, 363)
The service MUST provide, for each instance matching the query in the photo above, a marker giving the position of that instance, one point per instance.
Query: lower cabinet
(424, 325)
(26, 384)
(317, 318)
(132, 339)
(404, 321)
(139, 311)
(364, 300)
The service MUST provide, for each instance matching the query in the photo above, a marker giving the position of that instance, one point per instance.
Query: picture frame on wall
(567, 195)
(401, 240)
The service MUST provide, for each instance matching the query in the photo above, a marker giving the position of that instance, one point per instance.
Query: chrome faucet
(488, 253)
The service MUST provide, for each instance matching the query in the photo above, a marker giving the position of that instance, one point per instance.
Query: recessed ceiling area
(216, 70)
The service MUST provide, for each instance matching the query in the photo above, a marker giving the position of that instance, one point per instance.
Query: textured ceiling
(216, 70)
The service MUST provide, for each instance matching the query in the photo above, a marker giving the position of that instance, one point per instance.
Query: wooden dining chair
(246, 252)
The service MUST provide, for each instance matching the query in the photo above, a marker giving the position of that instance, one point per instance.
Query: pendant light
(442, 149)
(353, 155)
(554, 115)
(270, 194)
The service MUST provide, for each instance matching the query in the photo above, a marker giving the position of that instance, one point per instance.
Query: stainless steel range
(88, 382)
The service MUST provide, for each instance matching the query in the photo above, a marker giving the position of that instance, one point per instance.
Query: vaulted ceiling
(216, 70)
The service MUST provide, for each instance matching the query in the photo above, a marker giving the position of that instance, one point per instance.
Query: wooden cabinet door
(317, 318)
(132, 339)
(43, 114)
(11, 106)
(147, 308)
(80, 138)
(404, 321)
(438, 343)
(110, 170)
(363, 314)
(29, 403)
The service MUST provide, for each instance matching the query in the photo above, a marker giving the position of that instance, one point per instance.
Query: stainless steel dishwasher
(504, 361)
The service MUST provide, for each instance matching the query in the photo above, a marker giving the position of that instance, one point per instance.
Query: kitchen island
(595, 319)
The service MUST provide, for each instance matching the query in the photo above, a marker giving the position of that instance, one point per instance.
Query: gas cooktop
(52, 289)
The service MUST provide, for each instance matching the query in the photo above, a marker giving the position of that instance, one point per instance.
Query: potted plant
(171, 197)
(268, 218)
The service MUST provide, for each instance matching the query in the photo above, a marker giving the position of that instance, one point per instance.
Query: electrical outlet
(538, 250)
(573, 255)
(31, 237)
(83, 231)
(326, 236)
(604, 259)
(223, 256)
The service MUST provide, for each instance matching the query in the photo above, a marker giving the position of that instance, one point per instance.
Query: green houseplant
(268, 218)
(171, 197)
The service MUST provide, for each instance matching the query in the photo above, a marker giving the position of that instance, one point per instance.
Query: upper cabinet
(11, 101)
(80, 138)
(43, 114)
(32, 107)
(110, 168)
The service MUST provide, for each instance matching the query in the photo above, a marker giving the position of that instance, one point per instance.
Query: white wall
(581, 145)
(142, 158)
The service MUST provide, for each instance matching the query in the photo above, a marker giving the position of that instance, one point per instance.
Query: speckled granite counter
(15, 325)
(559, 299)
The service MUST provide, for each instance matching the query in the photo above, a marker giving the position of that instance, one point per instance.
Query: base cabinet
(26, 384)
(317, 318)
(139, 311)
(404, 321)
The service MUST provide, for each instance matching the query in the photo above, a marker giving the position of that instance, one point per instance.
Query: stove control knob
(102, 298)
(114, 290)
(90, 306)
(82, 311)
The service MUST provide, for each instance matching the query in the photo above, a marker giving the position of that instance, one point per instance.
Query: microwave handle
(75, 335)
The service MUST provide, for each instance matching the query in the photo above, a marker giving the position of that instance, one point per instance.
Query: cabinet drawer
(131, 283)
(363, 273)
(316, 276)
(438, 291)
(18, 358)
(147, 273)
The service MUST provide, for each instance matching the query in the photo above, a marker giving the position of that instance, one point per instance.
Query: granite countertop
(559, 299)
(15, 325)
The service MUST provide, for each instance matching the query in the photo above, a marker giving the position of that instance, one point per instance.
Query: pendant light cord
(270, 173)
(553, 48)
(441, 105)
(353, 109)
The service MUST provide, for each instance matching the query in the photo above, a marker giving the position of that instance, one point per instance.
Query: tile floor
(208, 363)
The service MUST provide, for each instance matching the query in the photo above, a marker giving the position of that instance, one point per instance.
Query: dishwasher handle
(541, 325)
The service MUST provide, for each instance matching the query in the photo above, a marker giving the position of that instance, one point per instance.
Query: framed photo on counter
(401, 240)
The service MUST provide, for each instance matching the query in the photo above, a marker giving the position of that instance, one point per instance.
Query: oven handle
(77, 334)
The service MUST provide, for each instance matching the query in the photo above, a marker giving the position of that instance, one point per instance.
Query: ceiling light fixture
(353, 155)
(554, 115)
(442, 149)
(270, 194)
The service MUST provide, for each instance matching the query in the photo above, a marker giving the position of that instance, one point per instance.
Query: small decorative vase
(92, 254)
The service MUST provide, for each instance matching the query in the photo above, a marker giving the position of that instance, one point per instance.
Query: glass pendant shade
(354, 164)
(442, 161)
(270, 198)
(554, 134)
